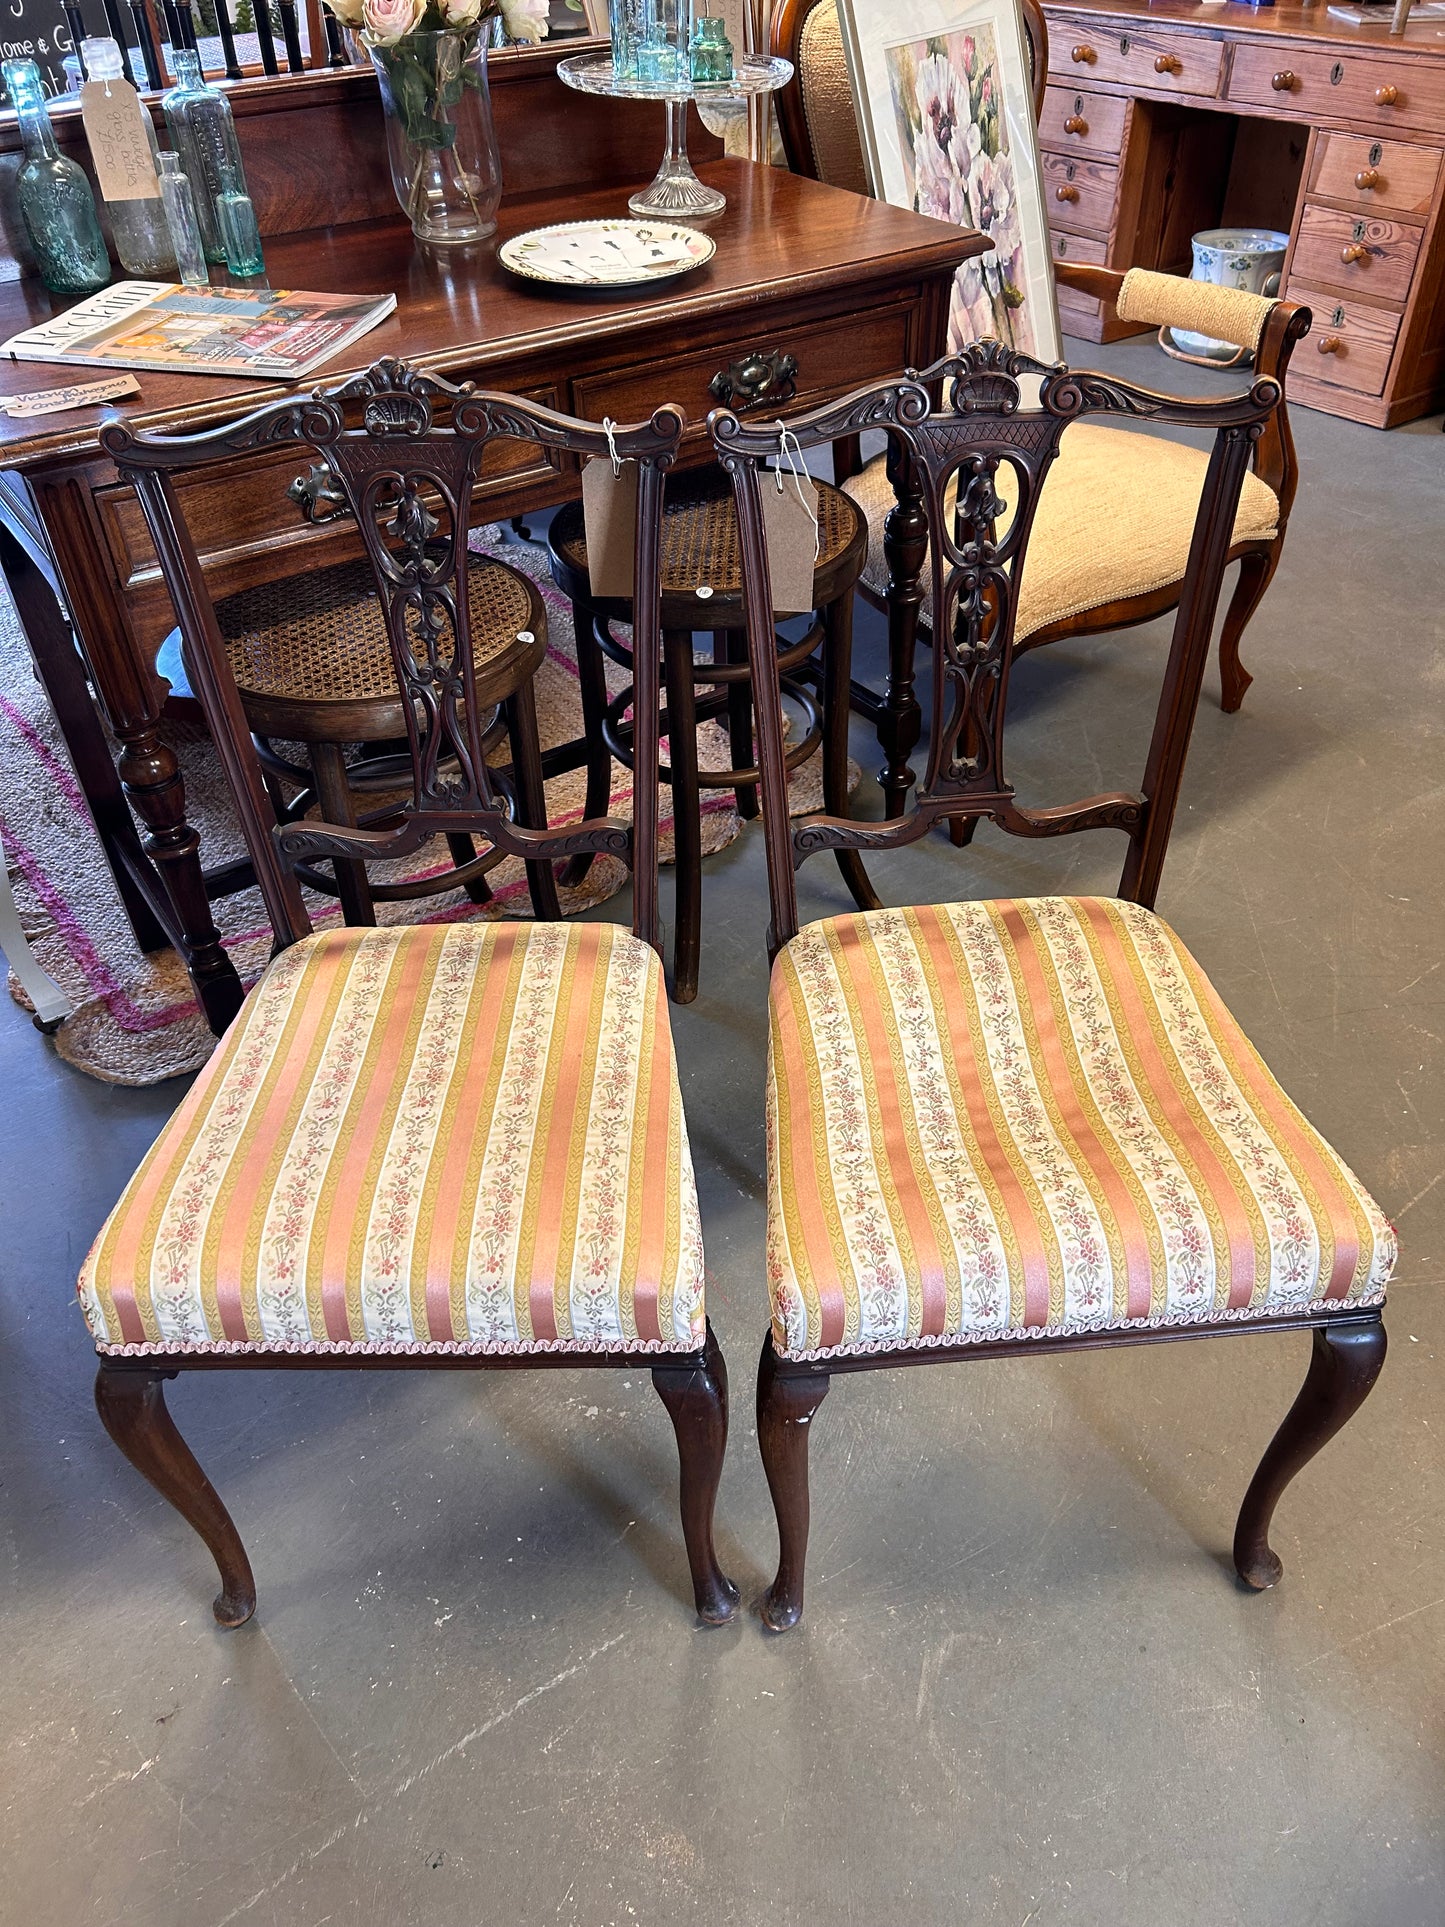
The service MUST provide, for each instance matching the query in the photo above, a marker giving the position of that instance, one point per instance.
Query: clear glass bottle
(198, 118)
(123, 149)
(56, 203)
(180, 206)
(240, 236)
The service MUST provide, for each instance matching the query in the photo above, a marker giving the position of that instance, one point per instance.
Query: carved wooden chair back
(979, 425)
(407, 448)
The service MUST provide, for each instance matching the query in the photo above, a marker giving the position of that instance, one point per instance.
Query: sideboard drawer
(1079, 194)
(1173, 63)
(1370, 173)
(1383, 91)
(832, 357)
(1349, 344)
(1079, 314)
(1084, 123)
(1354, 253)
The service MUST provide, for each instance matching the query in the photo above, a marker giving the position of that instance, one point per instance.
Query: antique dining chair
(702, 589)
(1079, 585)
(438, 1145)
(998, 1128)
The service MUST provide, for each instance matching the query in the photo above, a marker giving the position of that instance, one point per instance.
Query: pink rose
(391, 20)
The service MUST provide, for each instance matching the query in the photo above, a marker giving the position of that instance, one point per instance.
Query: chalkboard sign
(36, 30)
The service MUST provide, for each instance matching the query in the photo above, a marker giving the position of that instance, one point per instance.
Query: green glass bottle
(56, 203)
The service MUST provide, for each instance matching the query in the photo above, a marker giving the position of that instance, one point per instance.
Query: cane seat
(312, 660)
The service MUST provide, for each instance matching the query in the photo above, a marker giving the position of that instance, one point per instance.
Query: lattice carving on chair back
(405, 449)
(954, 428)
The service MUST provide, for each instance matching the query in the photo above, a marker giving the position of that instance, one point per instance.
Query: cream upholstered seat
(998, 1119)
(1114, 520)
(454, 1138)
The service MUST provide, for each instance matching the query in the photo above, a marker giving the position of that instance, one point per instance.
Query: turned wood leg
(731, 645)
(696, 1397)
(132, 1409)
(592, 687)
(462, 851)
(686, 811)
(132, 696)
(338, 805)
(837, 708)
(787, 1401)
(1255, 575)
(905, 548)
(521, 713)
(1344, 1364)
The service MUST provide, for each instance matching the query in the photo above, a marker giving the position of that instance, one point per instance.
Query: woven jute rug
(133, 1019)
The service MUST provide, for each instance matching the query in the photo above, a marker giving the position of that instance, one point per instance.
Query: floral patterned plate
(606, 254)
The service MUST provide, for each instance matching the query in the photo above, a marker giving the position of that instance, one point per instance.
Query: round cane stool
(313, 666)
(702, 589)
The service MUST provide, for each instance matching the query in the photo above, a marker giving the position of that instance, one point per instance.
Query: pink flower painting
(947, 96)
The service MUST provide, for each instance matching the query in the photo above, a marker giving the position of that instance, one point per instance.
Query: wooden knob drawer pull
(1329, 344)
(1284, 82)
(1084, 55)
(1354, 251)
(1066, 194)
(1076, 125)
(1367, 178)
(1386, 96)
(1168, 64)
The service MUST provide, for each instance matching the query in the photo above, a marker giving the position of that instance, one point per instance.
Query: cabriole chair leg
(1255, 575)
(132, 1407)
(696, 1397)
(786, 1404)
(1344, 1364)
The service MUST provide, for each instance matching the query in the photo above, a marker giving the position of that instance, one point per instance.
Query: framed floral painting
(946, 116)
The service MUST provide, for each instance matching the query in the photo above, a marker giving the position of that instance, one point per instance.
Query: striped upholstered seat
(995, 1119)
(468, 1139)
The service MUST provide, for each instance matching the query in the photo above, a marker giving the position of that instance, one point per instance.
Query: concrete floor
(1027, 1691)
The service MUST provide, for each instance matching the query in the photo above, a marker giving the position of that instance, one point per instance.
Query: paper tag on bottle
(80, 394)
(790, 528)
(609, 519)
(124, 163)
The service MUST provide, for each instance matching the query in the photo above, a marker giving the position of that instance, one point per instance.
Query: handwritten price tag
(80, 394)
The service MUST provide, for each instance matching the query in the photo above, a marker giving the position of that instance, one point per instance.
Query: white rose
(525, 19)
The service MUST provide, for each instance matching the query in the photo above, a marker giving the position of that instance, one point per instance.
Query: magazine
(276, 334)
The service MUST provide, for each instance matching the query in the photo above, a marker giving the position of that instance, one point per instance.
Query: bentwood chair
(1080, 583)
(448, 1145)
(1010, 1127)
(702, 588)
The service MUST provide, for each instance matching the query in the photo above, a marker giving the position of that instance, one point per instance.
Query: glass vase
(439, 134)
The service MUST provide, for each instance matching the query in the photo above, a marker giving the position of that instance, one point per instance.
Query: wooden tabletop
(460, 309)
(1422, 35)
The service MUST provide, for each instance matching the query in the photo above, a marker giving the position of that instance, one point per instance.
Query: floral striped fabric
(1031, 1117)
(463, 1138)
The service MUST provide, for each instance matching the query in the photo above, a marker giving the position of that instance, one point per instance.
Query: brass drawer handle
(1329, 344)
(319, 494)
(1066, 194)
(1367, 178)
(1075, 125)
(1354, 251)
(1168, 64)
(1386, 96)
(1084, 55)
(1284, 82)
(755, 378)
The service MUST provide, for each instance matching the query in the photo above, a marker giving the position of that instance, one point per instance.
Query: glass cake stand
(676, 191)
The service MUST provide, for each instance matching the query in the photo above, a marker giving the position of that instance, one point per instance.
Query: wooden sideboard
(1164, 117)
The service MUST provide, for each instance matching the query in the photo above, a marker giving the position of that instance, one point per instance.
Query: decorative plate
(606, 254)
